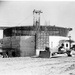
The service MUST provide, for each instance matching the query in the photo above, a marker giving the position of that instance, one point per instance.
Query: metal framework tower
(40, 36)
(36, 24)
(36, 17)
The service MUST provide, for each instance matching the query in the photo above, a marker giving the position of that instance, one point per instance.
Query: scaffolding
(41, 37)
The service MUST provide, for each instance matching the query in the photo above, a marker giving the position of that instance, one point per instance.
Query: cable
(45, 20)
(43, 17)
(25, 19)
(5, 23)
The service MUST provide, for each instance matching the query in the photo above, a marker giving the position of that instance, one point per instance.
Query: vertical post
(70, 41)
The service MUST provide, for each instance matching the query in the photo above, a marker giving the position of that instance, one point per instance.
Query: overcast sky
(59, 13)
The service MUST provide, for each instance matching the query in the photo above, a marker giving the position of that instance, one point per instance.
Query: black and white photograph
(37, 37)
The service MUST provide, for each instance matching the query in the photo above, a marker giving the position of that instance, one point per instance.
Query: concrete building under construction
(27, 40)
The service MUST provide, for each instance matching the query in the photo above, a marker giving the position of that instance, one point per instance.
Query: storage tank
(24, 41)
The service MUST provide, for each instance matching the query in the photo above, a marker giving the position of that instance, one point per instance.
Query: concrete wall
(27, 45)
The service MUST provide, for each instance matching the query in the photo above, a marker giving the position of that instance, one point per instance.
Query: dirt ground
(37, 66)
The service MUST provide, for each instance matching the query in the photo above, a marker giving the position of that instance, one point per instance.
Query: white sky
(17, 13)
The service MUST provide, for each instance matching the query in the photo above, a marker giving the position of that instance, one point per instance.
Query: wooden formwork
(19, 45)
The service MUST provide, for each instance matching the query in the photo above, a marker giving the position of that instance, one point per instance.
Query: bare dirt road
(37, 66)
